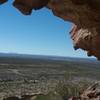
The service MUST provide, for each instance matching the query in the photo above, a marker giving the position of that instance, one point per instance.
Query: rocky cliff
(85, 14)
(91, 93)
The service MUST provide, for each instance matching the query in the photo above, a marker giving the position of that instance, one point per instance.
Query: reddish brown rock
(85, 14)
(84, 39)
(92, 93)
(74, 98)
(26, 6)
(2, 1)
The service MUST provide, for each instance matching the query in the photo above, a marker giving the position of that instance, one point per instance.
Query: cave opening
(42, 33)
(84, 31)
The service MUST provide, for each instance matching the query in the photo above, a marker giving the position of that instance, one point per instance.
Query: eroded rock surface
(92, 93)
(26, 6)
(86, 40)
(85, 14)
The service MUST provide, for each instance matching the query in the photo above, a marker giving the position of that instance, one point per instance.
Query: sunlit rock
(85, 14)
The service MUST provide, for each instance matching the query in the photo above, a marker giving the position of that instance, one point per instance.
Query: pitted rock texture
(92, 93)
(85, 14)
(86, 40)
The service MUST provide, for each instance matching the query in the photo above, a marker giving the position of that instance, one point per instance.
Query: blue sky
(41, 33)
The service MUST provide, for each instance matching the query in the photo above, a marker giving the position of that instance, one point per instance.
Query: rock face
(86, 40)
(85, 14)
(92, 93)
(26, 6)
(2, 1)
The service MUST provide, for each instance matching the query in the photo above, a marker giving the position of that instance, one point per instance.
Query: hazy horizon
(14, 53)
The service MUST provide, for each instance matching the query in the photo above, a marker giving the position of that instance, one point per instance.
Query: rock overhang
(84, 14)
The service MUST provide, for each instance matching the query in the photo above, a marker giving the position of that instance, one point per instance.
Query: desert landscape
(31, 75)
